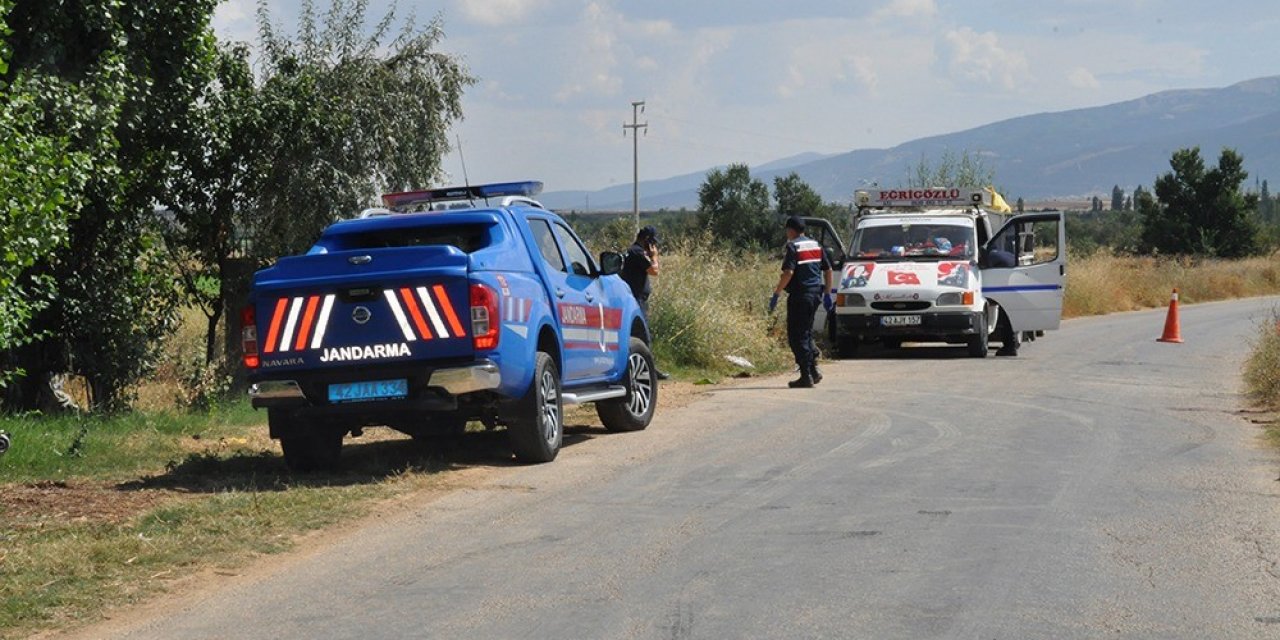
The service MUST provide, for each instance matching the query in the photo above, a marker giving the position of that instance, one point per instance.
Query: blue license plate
(370, 390)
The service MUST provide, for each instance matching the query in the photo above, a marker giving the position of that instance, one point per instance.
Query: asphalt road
(1100, 485)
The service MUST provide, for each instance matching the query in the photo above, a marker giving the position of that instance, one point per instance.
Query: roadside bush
(1262, 369)
(709, 303)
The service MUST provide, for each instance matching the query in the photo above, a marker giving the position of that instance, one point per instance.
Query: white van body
(930, 269)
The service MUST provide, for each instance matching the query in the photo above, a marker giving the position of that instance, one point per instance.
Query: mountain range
(1066, 154)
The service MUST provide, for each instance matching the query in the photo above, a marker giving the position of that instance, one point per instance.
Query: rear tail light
(485, 327)
(249, 337)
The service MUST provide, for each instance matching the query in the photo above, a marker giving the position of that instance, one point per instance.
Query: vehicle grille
(901, 305)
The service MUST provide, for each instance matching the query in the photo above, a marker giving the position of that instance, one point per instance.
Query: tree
(1200, 211)
(353, 112)
(1095, 205)
(1117, 198)
(795, 197)
(40, 181)
(734, 207)
(118, 79)
(1021, 205)
(214, 187)
(1266, 205)
(951, 170)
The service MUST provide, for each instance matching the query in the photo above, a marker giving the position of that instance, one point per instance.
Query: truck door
(600, 323)
(574, 297)
(821, 230)
(1024, 269)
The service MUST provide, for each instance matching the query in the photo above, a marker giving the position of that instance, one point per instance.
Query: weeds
(709, 303)
(1262, 369)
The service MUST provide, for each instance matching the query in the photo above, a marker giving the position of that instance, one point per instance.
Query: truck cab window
(546, 242)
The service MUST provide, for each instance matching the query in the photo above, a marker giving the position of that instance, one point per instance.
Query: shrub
(1262, 369)
(709, 303)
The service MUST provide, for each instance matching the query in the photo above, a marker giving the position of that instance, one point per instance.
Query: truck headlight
(955, 299)
(850, 300)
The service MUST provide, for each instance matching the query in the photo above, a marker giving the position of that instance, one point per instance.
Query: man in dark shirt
(806, 277)
(641, 262)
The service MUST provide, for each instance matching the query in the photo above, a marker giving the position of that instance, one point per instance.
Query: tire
(980, 343)
(536, 428)
(634, 411)
(847, 346)
(318, 451)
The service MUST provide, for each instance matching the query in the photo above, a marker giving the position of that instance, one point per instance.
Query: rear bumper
(452, 381)
(931, 325)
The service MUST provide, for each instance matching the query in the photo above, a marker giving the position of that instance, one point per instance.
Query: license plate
(367, 391)
(899, 321)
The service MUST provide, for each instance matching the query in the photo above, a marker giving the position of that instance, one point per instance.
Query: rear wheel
(536, 430)
(316, 451)
(634, 411)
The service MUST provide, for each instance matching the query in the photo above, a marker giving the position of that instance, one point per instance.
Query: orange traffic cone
(1172, 327)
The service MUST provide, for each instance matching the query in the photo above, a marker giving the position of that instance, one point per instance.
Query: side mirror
(610, 263)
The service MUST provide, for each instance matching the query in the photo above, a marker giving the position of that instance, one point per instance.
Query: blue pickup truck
(447, 306)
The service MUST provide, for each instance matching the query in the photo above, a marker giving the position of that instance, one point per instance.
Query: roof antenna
(466, 181)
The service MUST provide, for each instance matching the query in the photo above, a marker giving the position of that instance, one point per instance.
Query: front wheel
(536, 430)
(634, 411)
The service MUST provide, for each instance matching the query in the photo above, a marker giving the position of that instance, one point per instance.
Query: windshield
(914, 241)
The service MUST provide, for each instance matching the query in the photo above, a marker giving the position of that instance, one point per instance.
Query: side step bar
(592, 395)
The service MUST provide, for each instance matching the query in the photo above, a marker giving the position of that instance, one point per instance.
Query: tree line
(1192, 210)
(141, 157)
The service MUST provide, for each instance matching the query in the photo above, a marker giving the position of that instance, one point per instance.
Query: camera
(4, 442)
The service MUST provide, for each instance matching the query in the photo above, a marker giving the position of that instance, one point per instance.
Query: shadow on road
(363, 462)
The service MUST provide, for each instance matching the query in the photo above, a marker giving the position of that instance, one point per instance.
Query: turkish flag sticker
(903, 278)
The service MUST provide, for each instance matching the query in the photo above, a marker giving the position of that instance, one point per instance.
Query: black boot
(815, 375)
(803, 382)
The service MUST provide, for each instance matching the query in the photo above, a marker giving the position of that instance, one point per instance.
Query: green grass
(64, 573)
(61, 448)
(144, 503)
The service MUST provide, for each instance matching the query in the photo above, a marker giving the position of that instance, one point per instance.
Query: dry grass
(1103, 283)
(709, 303)
(1262, 370)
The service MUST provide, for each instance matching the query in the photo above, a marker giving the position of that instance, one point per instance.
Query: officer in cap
(806, 277)
(641, 261)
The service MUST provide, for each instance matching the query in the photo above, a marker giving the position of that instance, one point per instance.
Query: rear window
(467, 237)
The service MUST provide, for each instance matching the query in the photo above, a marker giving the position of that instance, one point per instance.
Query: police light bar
(944, 197)
(473, 192)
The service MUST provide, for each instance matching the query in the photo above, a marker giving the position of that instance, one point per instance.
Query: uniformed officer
(640, 263)
(806, 277)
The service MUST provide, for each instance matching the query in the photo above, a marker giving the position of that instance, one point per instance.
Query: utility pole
(637, 108)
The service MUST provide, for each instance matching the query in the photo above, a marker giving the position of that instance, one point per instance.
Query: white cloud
(494, 13)
(908, 9)
(1081, 78)
(980, 56)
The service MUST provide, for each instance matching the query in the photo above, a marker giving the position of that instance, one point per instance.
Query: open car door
(821, 230)
(1024, 270)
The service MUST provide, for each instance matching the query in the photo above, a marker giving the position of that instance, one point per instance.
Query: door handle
(559, 293)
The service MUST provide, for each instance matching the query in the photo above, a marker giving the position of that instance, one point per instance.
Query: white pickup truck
(924, 265)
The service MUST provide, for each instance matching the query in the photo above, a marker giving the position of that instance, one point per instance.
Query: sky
(757, 80)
